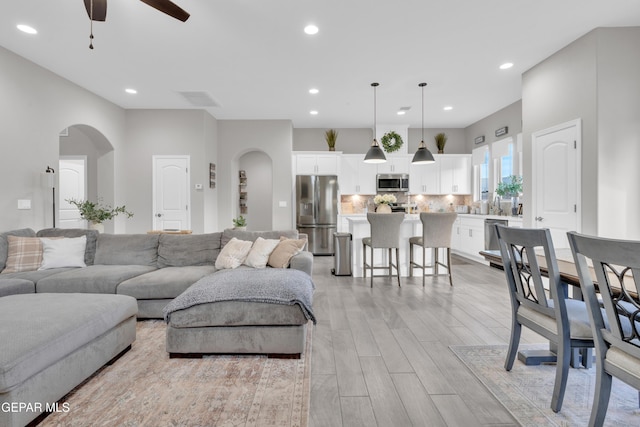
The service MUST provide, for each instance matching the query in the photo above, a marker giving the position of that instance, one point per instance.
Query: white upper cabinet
(317, 164)
(356, 176)
(398, 163)
(455, 173)
(425, 179)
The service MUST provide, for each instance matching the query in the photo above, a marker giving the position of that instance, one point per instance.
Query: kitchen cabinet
(398, 163)
(455, 173)
(316, 164)
(425, 179)
(356, 176)
(468, 237)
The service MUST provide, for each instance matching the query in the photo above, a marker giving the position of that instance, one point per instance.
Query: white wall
(510, 116)
(618, 134)
(164, 132)
(274, 138)
(34, 107)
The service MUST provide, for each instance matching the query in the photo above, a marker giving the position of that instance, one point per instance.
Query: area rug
(146, 388)
(526, 390)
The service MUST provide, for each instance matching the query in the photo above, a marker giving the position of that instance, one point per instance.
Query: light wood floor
(381, 356)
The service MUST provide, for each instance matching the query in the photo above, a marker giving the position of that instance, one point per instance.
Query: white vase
(98, 226)
(383, 208)
(244, 228)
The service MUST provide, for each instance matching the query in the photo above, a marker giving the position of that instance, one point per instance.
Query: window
(481, 180)
(503, 160)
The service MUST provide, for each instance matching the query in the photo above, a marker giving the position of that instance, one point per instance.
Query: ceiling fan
(97, 11)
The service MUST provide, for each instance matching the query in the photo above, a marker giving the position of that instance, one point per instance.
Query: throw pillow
(233, 254)
(23, 254)
(58, 253)
(260, 251)
(285, 250)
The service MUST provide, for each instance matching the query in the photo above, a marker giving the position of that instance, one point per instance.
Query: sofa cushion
(165, 283)
(95, 279)
(4, 245)
(92, 237)
(286, 249)
(34, 276)
(127, 249)
(16, 286)
(229, 234)
(23, 254)
(178, 250)
(233, 254)
(63, 324)
(65, 252)
(260, 251)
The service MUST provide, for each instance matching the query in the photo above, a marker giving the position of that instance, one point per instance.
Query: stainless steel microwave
(392, 182)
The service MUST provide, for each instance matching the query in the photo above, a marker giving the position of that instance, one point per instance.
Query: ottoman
(53, 342)
(262, 311)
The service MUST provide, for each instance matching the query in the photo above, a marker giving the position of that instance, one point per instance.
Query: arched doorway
(86, 171)
(258, 169)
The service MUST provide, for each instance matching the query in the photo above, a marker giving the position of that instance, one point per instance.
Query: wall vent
(199, 99)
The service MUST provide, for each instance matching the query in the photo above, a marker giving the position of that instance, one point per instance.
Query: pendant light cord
(375, 103)
(422, 85)
(91, 25)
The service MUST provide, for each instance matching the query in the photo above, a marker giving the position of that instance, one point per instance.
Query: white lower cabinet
(468, 237)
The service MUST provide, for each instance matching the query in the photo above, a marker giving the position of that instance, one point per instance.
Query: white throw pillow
(58, 253)
(260, 251)
(233, 254)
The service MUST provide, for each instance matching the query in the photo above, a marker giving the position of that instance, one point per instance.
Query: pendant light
(375, 153)
(423, 156)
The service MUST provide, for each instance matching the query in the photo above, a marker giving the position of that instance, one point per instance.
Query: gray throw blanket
(270, 285)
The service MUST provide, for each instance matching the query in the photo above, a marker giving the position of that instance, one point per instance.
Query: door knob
(539, 218)
(159, 215)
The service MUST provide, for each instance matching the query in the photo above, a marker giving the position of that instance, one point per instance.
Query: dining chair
(385, 234)
(436, 234)
(563, 321)
(616, 265)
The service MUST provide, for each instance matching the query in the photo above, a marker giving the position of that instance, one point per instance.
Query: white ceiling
(254, 59)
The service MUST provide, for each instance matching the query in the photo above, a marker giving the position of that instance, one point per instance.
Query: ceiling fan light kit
(97, 11)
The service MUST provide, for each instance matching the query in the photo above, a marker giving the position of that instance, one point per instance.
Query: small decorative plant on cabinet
(511, 187)
(243, 192)
(331, 136)
(441, 141)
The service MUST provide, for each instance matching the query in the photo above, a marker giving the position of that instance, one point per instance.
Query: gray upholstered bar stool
(436, 233)
(385, 234)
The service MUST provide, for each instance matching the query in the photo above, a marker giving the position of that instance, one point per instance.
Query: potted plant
(383, 201)
(441, 140)
(96, 213)
(511, 187)
(331, 136)
(240, 223)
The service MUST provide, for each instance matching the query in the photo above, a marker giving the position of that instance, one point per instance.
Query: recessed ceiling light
(313, 112)
(313, 91)
(448, 108)
(311, 29)
(131, 91)
(27, 29)
(506, 66)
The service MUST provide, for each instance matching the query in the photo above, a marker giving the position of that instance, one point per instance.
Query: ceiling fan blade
(168, 7)
(99, 9)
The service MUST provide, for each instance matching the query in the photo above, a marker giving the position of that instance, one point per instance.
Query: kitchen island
(467, 239)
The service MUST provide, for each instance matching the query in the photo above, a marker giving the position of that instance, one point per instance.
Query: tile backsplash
(356, 204)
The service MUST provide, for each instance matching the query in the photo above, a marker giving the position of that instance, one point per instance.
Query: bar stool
(436, 233)
(385, 234)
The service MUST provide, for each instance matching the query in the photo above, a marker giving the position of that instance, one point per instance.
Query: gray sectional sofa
(62, 324)
(153, 268)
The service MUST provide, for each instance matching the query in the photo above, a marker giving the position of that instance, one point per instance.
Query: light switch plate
(282, 203)
(24, 204)
(198, 186)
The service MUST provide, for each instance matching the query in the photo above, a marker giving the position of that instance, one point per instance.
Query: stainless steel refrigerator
(317, 211)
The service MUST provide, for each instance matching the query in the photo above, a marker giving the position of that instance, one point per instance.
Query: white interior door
(171, 197)
(73, 185)
(556, 180)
